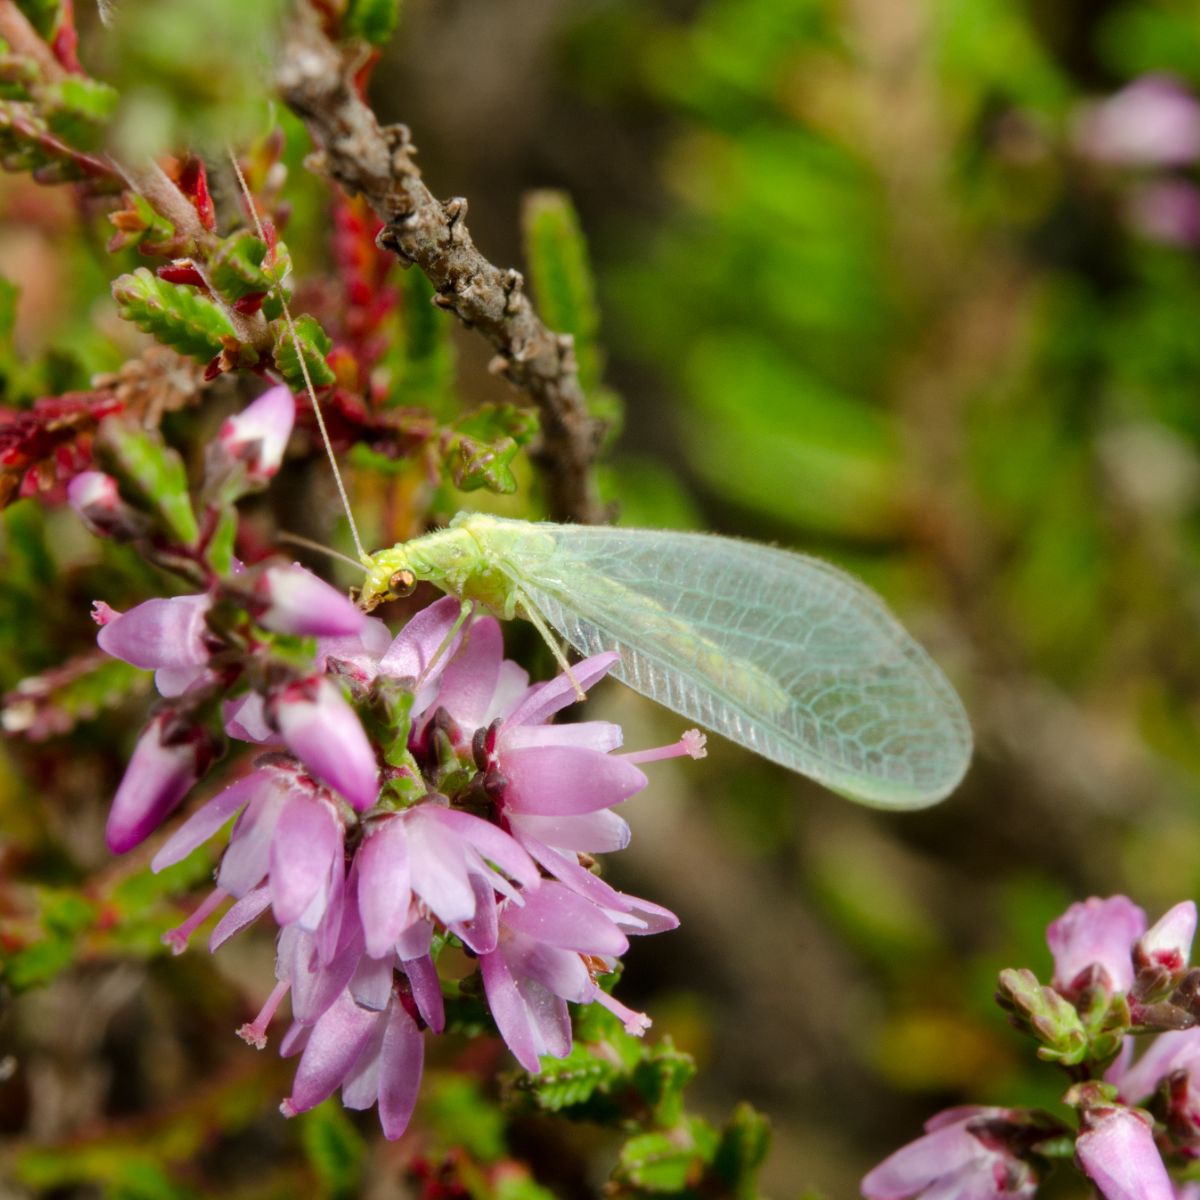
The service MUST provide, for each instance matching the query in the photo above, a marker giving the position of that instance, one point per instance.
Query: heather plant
(253, 335)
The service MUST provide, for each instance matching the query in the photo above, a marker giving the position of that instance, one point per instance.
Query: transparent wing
(780, 652)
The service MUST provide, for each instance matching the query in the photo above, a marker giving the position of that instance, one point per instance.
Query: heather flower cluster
(1117, 981)
(465, 817)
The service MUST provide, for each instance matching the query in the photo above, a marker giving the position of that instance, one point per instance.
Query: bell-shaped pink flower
(258, 435)
(1096, 933)
(374, 1057)
(541, 961)
(167, 636)
(1167, 944)
(324, 733)
(1117, 1153)
(168, 759)
(94, 496)
(954, 1159)
(296, 601)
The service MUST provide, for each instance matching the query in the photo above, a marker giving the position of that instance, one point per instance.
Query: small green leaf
(741, 1153)
(242, 266)
(315, 344)
(557, 256)
(176, 315)
(334, 1147)
(150, 474)
(480, 453)
(666, 1162)
(78, 110)
(372, 20)
(660, 1078)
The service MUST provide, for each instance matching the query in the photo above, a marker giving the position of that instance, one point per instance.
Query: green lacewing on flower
(783, 653)
(780, 652)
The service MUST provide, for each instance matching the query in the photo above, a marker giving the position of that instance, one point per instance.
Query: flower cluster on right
(1117, 984)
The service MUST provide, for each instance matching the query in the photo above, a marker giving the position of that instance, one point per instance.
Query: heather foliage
(909, 286)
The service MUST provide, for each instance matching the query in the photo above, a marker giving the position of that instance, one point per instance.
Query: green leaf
(43, 15)
(456, 1107)
(220, 548)
(334, 1147)
(372, 20)
(150, 474)
(240, 266)
(741, 1153)
(571, 1081)
(661, 1077)
(480, 453)
(176, 315)
(666, 1162)
(315, 344)
(78, 110)
(557, 257)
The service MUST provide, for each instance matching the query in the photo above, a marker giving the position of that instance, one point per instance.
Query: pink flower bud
(324, 733)
(1097, 933)
(168, 759)
(1118, 1154)
(258, 435)
(94, 496)
(1167, 944)
(297, 602)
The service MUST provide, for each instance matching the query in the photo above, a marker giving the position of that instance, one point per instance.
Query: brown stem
(377, 163)
(25, 41)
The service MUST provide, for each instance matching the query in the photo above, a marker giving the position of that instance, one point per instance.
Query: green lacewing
(778, 651)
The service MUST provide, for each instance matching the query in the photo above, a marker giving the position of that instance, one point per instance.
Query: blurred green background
(863, 294)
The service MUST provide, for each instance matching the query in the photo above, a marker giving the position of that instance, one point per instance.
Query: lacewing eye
(402, 584)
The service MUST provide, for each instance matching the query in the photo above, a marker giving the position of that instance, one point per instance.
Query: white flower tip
(695, 743)
(177, 939)
(252, 1035)
(637, 1024)
(287, 1108)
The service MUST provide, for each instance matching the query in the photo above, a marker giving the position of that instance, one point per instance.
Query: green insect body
(783, 653)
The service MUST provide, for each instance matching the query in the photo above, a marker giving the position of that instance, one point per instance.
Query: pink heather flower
(166, 636)
(1097, 933)
(1117, 1153)
(94, 496)
(324, 733)
(545, 955)
(1153, 122)
(167, 760)
(434, 859)
(955, 1160)
(296, 601)
(355, 656)
(259, 434)
(1173, 1057)
(374, 1057)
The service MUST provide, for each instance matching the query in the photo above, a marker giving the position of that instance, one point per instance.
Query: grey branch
(421, 230)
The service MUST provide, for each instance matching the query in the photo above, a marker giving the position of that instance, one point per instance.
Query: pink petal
(248, 909)
(554, 914)
(371, 984)
(306, 838)
(439, 868)
(361, 1087)
(409, 655)
(591, 833)
(258, 435)
(554, 780)
(384, 886)
(508, 1010)
(205, 821)
(246, 719)
(324, 733)
(415, 941)
(490, 840)
(544, 700)
(155, 781)
(548, 1018)
(1096, 933)
(400, 1066)
(1175, 1050)
(336, 1042)
(248, 857)
(470, 678)
(427, 991)
(300, 603)
(601, 736)
(482, 931)
(1119, 1156)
